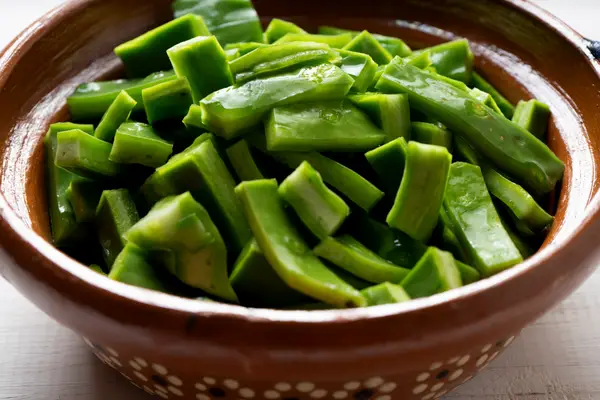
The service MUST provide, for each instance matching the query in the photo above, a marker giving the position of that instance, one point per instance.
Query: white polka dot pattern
(432, 383)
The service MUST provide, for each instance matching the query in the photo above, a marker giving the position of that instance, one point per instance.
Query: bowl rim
(161, 302)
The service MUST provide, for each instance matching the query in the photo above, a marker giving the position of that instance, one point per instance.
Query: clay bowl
(175, 347)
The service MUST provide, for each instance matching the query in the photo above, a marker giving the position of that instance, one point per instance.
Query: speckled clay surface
(175, 347)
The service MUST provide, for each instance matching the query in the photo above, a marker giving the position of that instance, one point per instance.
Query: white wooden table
(557, 358)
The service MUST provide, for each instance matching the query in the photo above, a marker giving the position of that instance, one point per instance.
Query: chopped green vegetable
(235, 110)
(84, 197)
(389, 161)
(436, 134)
(521, 204)
(63, 222)
(395, 46)
(391, 112)
(486, 99)
(84, 155)
(360, 67)
(356, 188)
(278, 28)
(453, 60)
(257, 284)
(118, 113)
(436, 272)
(337, 41)
(384, 293)
(116, 213)
(478, 226)
(285, 250)
(147, 53)
(468, 274)
(201, 171)
(179, 231)
(132, 267)
(279, 57)
(244, 47)
(167, 101)
(324, 126)
(532, 115)
(240, 157)
(189, 61)
(320, 209)
(350, 255)
(419, 199)
(392, 245)
(506, 144)
(231, 21)
(91, 100)
(480, 83)
(137, 143)
(366, 43)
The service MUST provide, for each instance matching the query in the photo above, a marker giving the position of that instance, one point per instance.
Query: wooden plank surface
(557, 358)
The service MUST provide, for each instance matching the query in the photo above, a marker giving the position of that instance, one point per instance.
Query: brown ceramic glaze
(419, 350)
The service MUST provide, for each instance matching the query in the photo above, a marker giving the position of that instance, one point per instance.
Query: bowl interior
(515, 51)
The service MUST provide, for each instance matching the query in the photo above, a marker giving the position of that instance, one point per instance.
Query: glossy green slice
(147, 53)
(257, 284)
(352, 256)
(180, 232)
(533, 115)
(278, 28)
(319, 208)
(84, 155)
(63, 222)
(506, 106)
(347, 182)
(321, 126)
(366, 43)
(507, 145)
(232, 111)
(244, 47)
(91, 100)
(201, 171)
(84, 197)
(391, 112)
(521, 204)
(419, 198)
(453, 60)
(167, 101)
(392, 245)
(468, 274)
(189, 61)
(231, 21)
(360, 67)
(486, 99)
(116, 213)
(118, 113)
(335, 41)
(436, 272)
(285, 250)
(232, 54)
(478, 225)
(276, 58)
(435, 134)
(132, 267)
(395, 46)
(389, 161)
(240, 157)
(137, 143)
(385, 293)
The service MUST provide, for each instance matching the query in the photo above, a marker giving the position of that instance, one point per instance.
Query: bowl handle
(594, 47)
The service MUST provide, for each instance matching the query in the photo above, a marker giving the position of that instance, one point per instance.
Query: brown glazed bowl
(174, 347)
